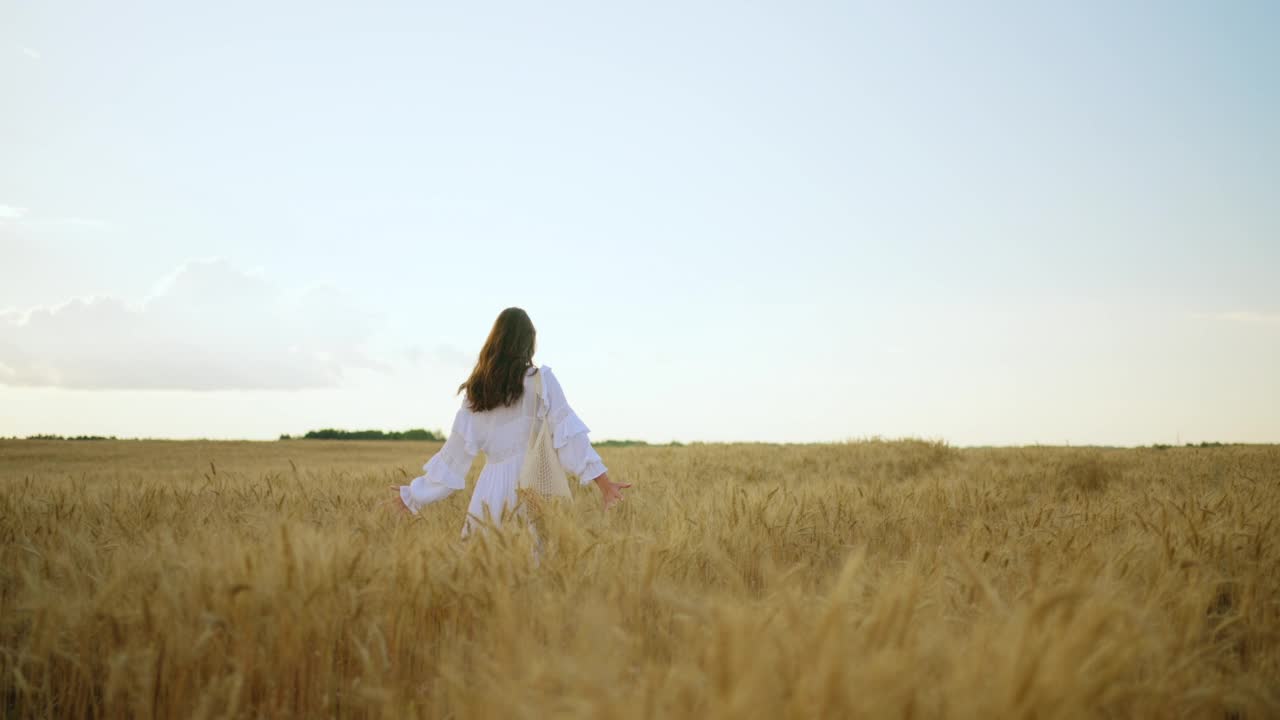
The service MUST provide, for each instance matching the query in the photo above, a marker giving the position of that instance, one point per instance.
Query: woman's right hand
(610, 492)
(394, 503)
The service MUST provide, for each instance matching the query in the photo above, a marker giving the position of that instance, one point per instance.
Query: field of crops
(868, 579)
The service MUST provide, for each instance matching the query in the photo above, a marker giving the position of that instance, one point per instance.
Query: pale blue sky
(988, 223)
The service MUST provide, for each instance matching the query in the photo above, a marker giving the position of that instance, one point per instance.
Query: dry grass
(877, 579)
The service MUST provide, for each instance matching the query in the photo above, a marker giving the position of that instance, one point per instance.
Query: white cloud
(22, 218)
(444, 356)
(68, 222)
(31, 53)
(451, 356)
(208, 326)
(1250, 317)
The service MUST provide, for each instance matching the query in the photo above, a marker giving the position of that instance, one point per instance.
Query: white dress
(502, 434)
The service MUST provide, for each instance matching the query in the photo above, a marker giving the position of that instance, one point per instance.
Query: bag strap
(534, 428)
(537, 387)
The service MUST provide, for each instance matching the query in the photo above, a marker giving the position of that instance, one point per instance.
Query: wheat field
(865, 579)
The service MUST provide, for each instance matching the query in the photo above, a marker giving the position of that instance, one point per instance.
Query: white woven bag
(541, 475)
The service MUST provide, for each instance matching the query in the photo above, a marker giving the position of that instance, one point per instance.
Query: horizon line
(621, 442)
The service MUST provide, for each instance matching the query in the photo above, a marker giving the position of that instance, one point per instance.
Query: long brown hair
(498, 377)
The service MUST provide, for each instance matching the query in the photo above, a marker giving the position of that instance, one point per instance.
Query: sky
(985, 223)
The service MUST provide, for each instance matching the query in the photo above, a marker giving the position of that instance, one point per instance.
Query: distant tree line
(73, 437)
(333, 434)
(433, 436)
(1159, 446)
(633, 443)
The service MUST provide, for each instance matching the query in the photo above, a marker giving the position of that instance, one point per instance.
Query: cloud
(31, 53)
(21, 217)
(208, 326)
(67, 222)
(1248, 317)
(444, 355)
(451, 356)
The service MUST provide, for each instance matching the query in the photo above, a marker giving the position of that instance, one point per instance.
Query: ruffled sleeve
(446, 471)
(569, 433)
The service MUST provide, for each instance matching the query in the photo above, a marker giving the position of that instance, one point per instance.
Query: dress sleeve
(569, 433)
(446, 471)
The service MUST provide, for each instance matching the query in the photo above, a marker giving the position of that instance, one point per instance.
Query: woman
(495, 418)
